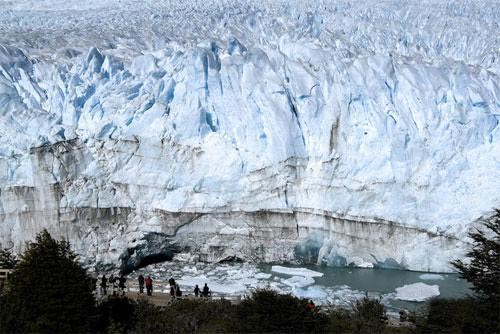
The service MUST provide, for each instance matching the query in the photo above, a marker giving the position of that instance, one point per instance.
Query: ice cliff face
(327, 132)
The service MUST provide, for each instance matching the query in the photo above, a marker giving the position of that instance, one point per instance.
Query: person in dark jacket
(104, 284)
(141, 283)
(196, 290)
(178, 292)
(149, 285)
(171, 281)
(121, 284)
(172, 292)
(112, 281)
(206, 291)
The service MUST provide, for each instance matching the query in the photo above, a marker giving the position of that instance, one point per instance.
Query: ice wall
(328, 132)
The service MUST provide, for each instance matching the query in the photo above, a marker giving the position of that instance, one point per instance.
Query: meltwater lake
(327, 286)
(382, 283)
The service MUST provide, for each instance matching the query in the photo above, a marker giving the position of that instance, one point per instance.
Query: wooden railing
(4, 276)
(162, 287)
(4, 273)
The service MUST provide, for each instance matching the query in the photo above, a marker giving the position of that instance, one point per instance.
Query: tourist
(112, 281)
(206, 291)
(104, 284)
(310, 305)
(403, 316)
(178, 292)
(149, 285)
(121, 284)
(171, 281)
(196, 290)
(172, 292)
(141, 283)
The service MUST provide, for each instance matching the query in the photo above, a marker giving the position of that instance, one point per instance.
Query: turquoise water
(383, 282)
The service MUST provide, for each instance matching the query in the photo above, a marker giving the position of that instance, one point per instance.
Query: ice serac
(317, 132)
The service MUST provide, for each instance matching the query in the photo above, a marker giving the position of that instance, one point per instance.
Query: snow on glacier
(369, 130)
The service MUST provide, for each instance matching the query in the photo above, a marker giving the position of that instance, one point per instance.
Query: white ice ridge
(302, 272)
(431, 277)
(417, 292)
(363, 133)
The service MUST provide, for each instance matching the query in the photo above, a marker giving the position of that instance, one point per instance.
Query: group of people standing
(117, 284)
(175, 290)
(145, 281)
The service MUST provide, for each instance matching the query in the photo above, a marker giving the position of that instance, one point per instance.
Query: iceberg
(434, 277)
(417, 292)
(302, 272)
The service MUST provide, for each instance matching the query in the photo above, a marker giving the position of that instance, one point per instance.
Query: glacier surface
(329, 132)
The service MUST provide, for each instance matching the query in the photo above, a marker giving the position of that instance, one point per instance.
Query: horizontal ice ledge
(303, 272)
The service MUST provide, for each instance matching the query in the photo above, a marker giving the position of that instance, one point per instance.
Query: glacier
(326, 132)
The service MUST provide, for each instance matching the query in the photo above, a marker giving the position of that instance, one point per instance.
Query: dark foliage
(454, 316)
(7, 259)
(484, 269)
(341, 321)
(48, 291)
(266, 311)
(185, 316)
(369, 316)
(116, 315)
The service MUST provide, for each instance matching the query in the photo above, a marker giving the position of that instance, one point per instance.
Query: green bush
(116, 315)
(185, 316)
(369, 316)
(7, 259)
(465, 315)
(267, 311)
(340, 321)
(48, 291)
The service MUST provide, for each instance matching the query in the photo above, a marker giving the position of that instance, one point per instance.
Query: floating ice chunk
(417, 292)
(296, 271)
(263, 276)
(431, 277)
(299, 281)
(315, 292)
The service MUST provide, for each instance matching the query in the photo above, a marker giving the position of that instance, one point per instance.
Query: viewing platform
(161, 293)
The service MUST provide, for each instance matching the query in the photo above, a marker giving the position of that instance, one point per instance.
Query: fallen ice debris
(417, 292)
(431, 277)
(299, 281)
(262, 276)
(315, 292)
(296, 271)
(224, 288)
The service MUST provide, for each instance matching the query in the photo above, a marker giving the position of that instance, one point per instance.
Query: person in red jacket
(149, 285)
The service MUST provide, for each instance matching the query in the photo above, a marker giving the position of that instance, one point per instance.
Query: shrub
(454, 316)
(340, 321)
(116, 315)
(369, 316)
(483, 271)
(48, 291)
(7, 259)
(185, 316)
(267, 311)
